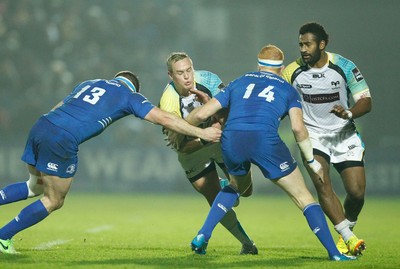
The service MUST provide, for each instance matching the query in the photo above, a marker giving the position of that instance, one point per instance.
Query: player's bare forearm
(360, 108)
(202, 113)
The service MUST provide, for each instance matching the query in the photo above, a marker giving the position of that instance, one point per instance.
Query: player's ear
(281, 69)
(322, 45)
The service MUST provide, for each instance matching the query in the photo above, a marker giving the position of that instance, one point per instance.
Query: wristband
(311, 161)
(349, 114)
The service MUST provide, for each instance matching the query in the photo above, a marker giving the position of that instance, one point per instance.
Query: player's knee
(58, 204)
(35, 186)
(357, 196)
(52, 204)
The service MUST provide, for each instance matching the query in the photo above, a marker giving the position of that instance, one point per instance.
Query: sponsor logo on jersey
(284, 166)
(335, 83)
(304, 86)
(52, 167)
(71, 169)
(321, 75)
(357, 74)
(321, 98)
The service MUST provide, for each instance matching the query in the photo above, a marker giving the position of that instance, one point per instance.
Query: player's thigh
(32, 170)
(55, 191)
(294, 185)
(354, 181)
(326, 168)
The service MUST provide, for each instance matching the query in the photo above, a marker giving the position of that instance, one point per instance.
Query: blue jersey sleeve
(294, 97)
(140, 106)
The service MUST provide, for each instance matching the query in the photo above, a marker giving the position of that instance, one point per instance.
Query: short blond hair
(174, 57)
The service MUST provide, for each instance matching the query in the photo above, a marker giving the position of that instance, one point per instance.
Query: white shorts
(196, 162)
(343, 146)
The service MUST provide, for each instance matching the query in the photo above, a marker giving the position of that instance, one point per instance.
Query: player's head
(270, 58)
(129, 79)
(313, 40)
(181, 72)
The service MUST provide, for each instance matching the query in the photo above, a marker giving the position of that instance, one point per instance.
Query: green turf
(154, 231)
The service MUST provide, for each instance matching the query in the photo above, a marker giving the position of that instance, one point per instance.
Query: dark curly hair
(317, 30)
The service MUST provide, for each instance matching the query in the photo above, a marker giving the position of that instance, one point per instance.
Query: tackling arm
(202, 113)
(177, 124)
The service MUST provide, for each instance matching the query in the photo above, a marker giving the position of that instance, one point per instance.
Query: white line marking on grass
(51, 244)
(100, 229)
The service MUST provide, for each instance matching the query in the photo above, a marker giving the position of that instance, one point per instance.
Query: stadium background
(47, 46)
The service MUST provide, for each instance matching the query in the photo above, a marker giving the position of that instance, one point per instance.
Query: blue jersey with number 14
(260, 100)
(94, 104)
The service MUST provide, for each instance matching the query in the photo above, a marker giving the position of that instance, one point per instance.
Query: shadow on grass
(201, 262)
(165, 258)
(212, 260)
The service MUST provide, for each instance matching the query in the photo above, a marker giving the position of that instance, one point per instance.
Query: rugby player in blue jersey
(257, 102)
(51, 150)
(325, 82)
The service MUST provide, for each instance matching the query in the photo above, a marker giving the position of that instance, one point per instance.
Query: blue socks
(317, 222)
(29, 216)
(224, 202)
(14, 192)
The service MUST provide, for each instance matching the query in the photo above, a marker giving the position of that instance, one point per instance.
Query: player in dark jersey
(257, 102)
(51, 150)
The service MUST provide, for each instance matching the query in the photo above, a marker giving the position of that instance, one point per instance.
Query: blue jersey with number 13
(94, 104)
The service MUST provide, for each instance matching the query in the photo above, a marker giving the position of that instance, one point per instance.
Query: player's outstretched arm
(303, 141)
(177, 124)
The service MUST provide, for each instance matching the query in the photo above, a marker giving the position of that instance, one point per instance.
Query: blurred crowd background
(48, 46)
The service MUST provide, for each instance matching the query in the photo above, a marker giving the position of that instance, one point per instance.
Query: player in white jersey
(325, 82)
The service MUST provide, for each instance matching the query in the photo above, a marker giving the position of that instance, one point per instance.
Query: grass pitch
(154, 231)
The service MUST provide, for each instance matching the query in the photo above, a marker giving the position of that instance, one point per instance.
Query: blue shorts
(242, 148)
(51, 149)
